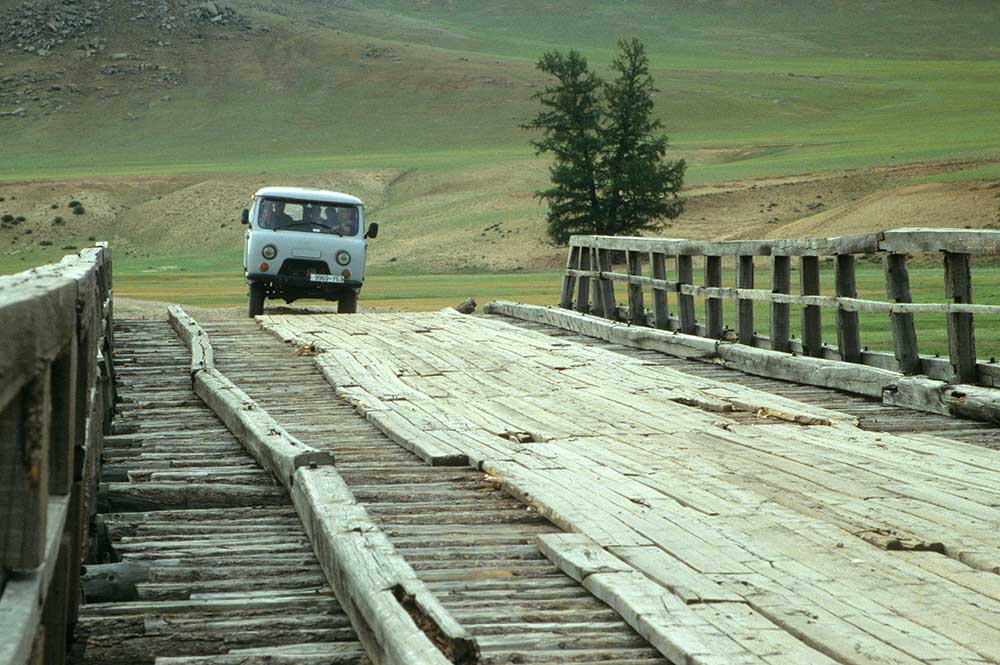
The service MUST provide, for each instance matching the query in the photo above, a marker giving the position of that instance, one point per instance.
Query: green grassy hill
(163, 132)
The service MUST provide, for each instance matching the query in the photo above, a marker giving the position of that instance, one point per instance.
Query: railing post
(961, 330)
(64, 425)
(848, 335)
(583, 284)
(744, 306)
(569, 279)
(661, 310)
(24, 474)
(685, 302)
(812, 322)
(636, 307)
(713, 306)
(606, 286)
(781, 278)
(904, 333)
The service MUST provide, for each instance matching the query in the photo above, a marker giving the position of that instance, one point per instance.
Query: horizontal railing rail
(592, 270)
(56, 402)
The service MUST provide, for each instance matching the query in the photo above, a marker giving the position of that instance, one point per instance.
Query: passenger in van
(342, 220)
(310, 215)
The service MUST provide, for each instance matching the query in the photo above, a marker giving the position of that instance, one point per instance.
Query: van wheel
(256, 302)
(348, 303)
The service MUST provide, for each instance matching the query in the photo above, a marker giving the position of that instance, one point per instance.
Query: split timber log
(320, 653)
(270, 444)
(142, 497)
(194, 337)
(913, 392)
(113, 582)
(376, 586)
(135, 639)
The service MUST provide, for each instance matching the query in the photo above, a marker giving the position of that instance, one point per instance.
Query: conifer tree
(608, 172)
(570, 127)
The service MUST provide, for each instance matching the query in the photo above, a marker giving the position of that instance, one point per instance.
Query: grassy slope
(826, 85)
(428, 132)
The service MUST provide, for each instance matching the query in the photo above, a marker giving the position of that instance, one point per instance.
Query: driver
(279, 217)
(343, 220)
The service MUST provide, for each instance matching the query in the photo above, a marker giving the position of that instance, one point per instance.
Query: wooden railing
(592, 271)
(56, 401)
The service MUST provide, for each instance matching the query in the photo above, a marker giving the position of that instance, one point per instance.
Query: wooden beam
(811, 323)
(904, 333)
(713, 306)
(606, 285)
(744, 307)
(685, 303)
(583, 282)
(781, 277)
(961, 330)
(569, 279)
(637, 310)
(859, 244)
(848, 334)
(661, 307)
(24, 474)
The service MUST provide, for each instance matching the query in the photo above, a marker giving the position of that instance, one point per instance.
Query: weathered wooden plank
(269, 443)
(21, 601)
(24, 474)
(606, 286)
(781, 277)
(583, 288)
(961, 331)
(363, 568)
(661, 309)
(685, 305)
(64, 421)
(744, 307)
(811, 324)
(848, 333)
(959, 241)
(858, 244)
(569, 279)
(194, 337)
(713, 306)
(904, 333)
(637, 310)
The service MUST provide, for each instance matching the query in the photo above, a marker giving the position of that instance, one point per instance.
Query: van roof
(301, 194)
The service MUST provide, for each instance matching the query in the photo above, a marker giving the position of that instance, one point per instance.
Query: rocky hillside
(101, 48)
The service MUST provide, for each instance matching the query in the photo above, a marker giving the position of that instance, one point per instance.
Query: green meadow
(782, 87)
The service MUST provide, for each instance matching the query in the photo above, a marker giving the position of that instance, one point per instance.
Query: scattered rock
(468, 306)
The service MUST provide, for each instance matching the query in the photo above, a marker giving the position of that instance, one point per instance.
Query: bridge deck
(470, 542)
(229, 576)
(789, 533)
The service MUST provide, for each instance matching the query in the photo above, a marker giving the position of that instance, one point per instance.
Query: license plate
(335, 279)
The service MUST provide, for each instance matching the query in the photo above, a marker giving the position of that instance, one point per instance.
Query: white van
(305, 243)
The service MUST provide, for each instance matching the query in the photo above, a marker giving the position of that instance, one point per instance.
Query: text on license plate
(337, 279)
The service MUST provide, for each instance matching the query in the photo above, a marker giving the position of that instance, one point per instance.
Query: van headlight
(343, 258)
(269, 252)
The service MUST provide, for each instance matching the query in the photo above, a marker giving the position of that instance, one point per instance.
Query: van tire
(256, 301)
(347, 303)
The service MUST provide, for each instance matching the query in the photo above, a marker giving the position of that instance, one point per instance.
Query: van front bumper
(298, 282)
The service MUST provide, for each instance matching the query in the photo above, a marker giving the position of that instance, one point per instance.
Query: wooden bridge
(589, 483)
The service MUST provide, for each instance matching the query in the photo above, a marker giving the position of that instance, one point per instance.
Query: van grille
(303, 268)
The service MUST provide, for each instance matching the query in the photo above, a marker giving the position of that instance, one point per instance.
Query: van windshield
(309, 217)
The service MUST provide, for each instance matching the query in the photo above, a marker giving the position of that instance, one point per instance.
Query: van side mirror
(372, 231)
(245, 216)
